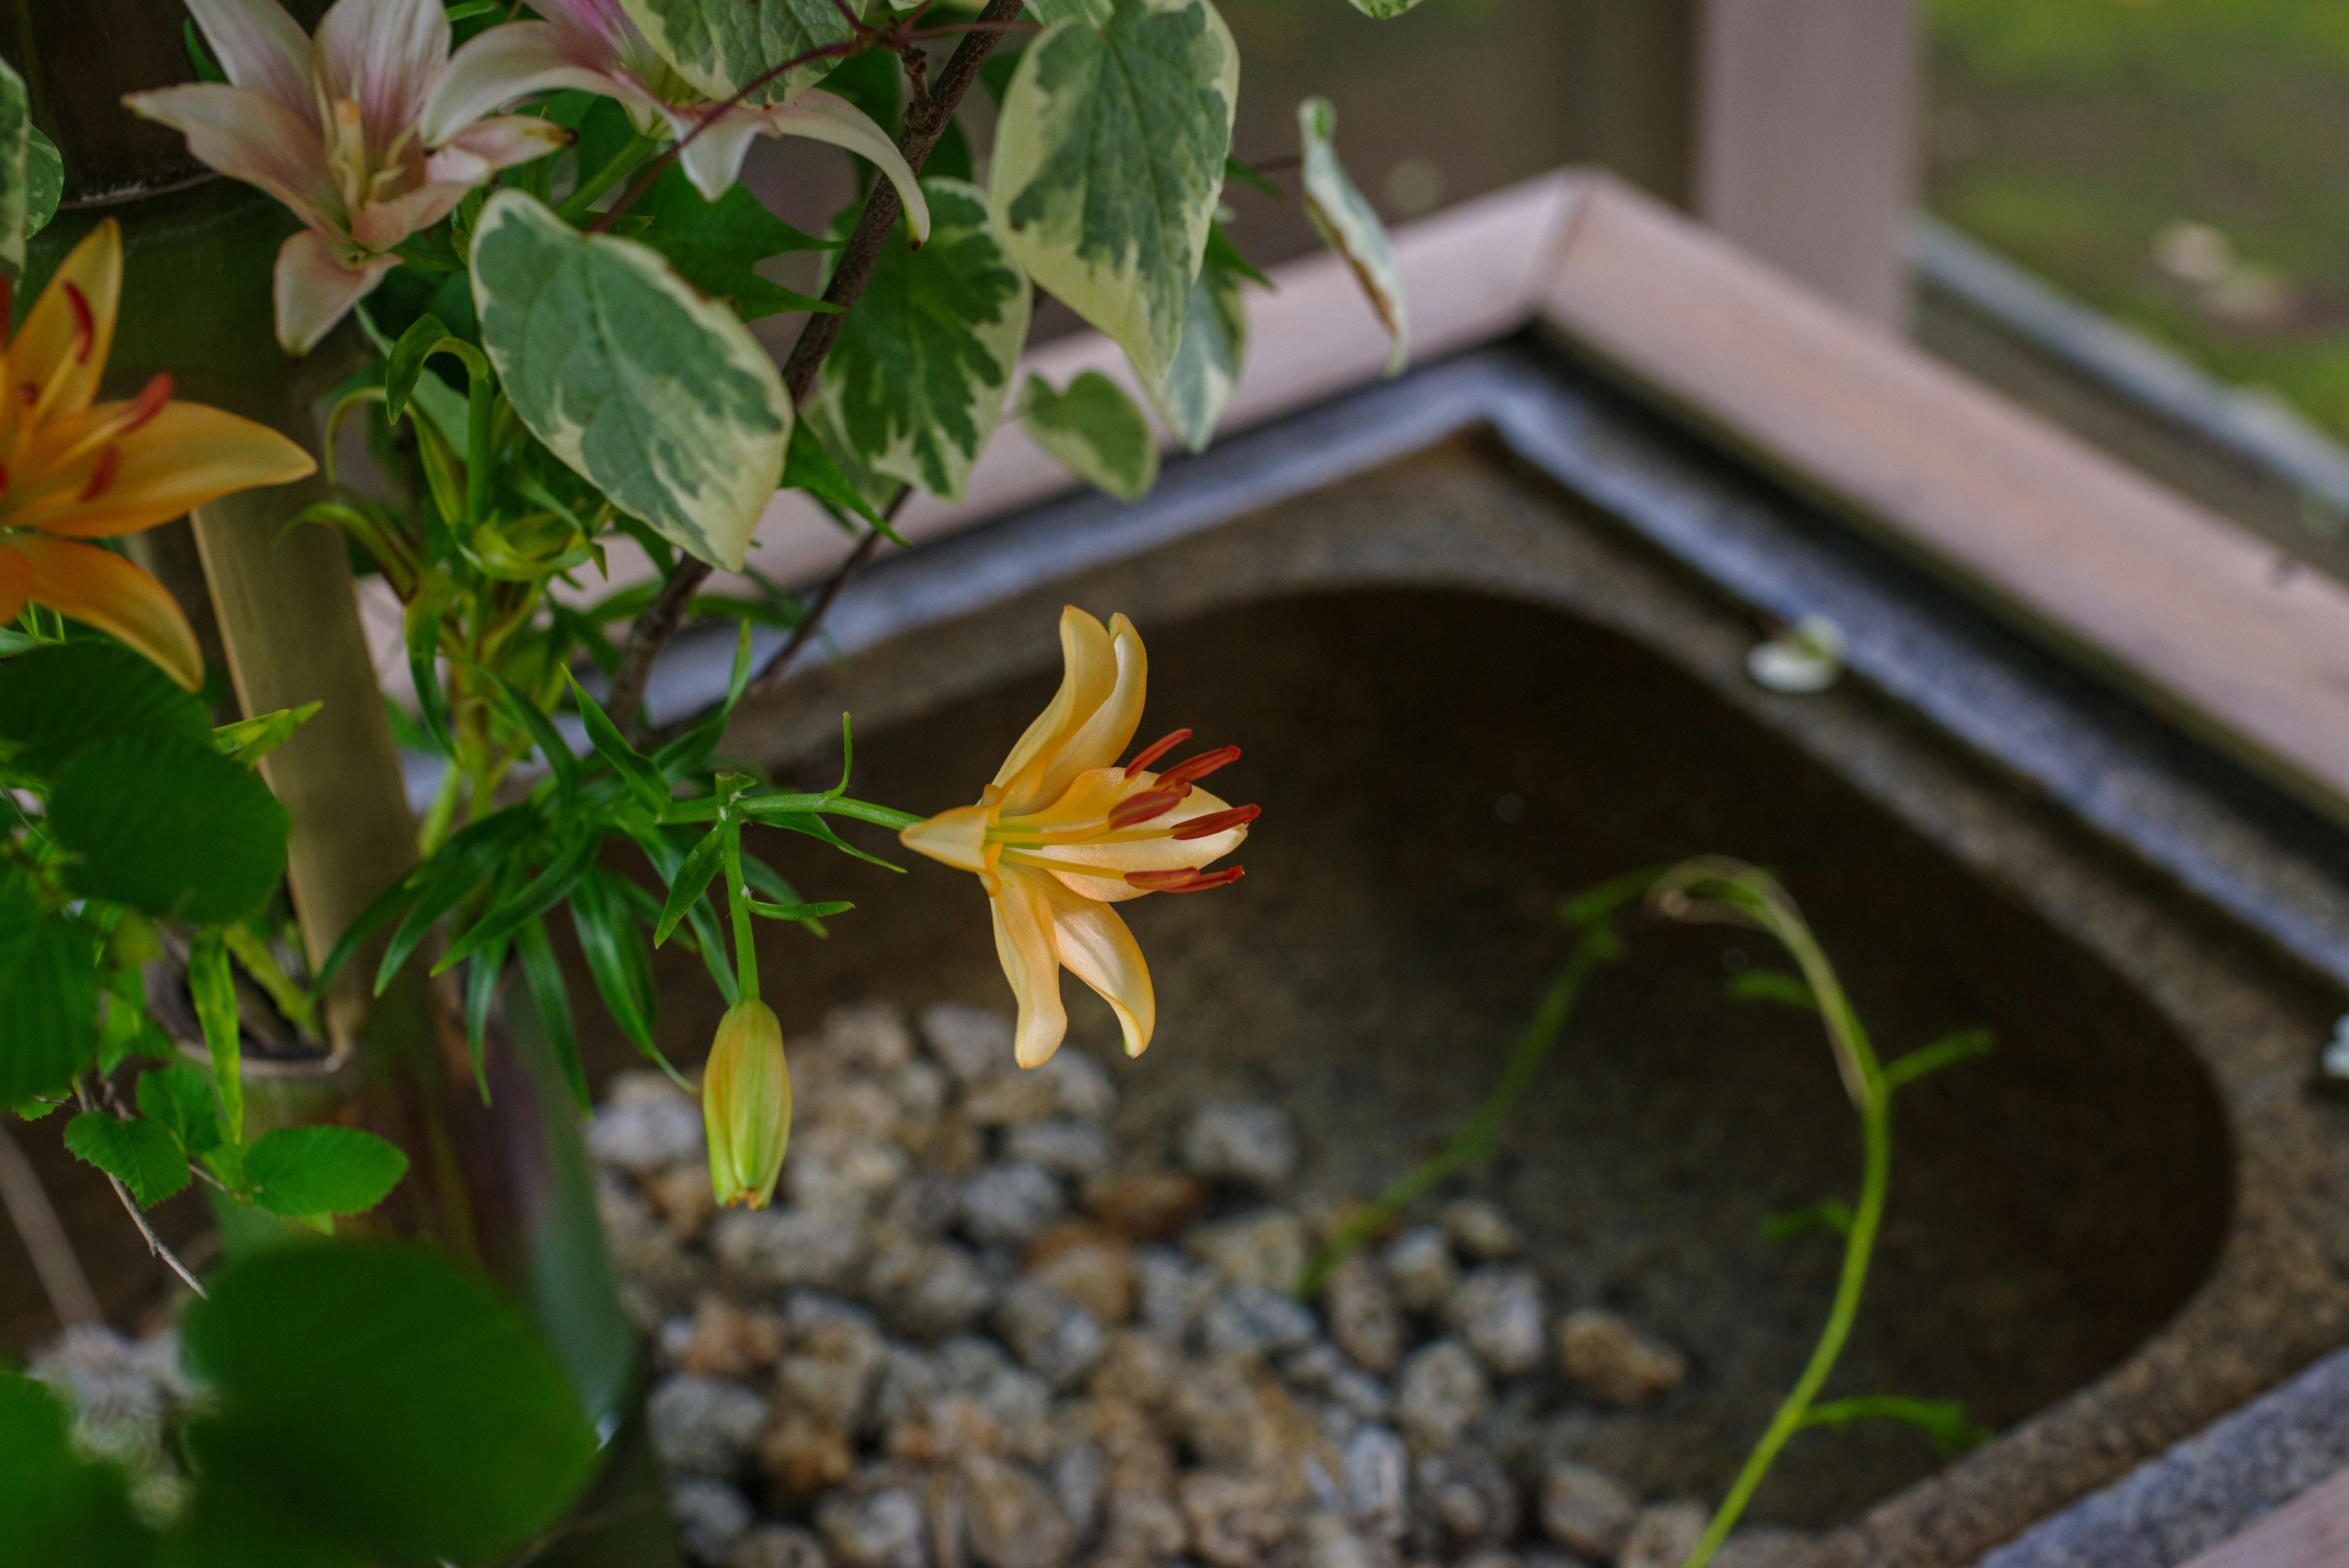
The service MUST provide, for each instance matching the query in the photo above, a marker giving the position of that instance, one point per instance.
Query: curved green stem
(737, 904)
(635, 150)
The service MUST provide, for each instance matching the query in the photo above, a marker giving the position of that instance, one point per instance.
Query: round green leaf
(55, 700)
(383, 1395)
(322, 1170)
(169, 827)
(139, 1154)
(48, 996)
(54, 1505)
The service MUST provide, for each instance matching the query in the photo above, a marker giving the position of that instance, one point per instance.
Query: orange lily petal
(102, 589)
(1109, 729)
(1098, 949)
(15, 584)
(1089, 674)
(1023, 943)
(185, 455)
(52, 334)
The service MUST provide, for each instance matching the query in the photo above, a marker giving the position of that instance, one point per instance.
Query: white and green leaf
(15, 171)
(1380, 10)
(1109, 159)
(44, 182)
(660, 397)
(1095, 430)
(915, 384)
(1348, 225)
(1198, 384)
(721, 46)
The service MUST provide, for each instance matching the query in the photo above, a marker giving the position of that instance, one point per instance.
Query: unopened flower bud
(746, 1105)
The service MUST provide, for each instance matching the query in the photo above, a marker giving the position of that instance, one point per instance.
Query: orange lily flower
(71, 468)
(1063, 833)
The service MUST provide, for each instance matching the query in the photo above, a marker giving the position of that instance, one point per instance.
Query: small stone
(1019, 1401)
(926, 1292)
(1419, 1267)
(970, 1042)
(918, 1089)
(786, 1247)
(1491, 1557)
(1144, 1526)
(1664, 1535)
(1247, 1142)
(1439, 1394)
(1471, 1497)
(1237, 1522)
(1361, 1395)
(1229, 1416)
(1499, 1311)
(1011, 1099)
(802, 1454)
(1009, 1203)
(1147, 1205)
(1377, 1480)
(1058, 1339)
(1139, 1366)
(644, 1133)
(1765, 1546)
(1481, 1231)
(1266, 1247)
(1091, 1267)
(1312, 1366)
(842, 1173)
(778, 1546)
(1013, 1521)
(1078, 1477)
(1331, 1542)
(681, 1195)
(711, 1518)
(1363, 1316)
(657, 1277)
(1250, 1320)
(723, 1341)
(1171, 1294)
(1615, 1363)
(880, 1530)
(1061, 1146)
(1082, 1085)
(870, 1035)
(944, 1429)
(921, 1209)
(1586, 1511)
(836, 1360)
(701, 1426)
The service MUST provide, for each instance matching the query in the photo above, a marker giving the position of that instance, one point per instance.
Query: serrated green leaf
(170, 828)
(918, 376)
(721, 46)
(1198, 386)
(16, 171)
(57, 699)
(1109, 159)
(322, 1170)
(48, 995)
(716, 245)
(212, 987)
(140, 1155)
(1349, 226)
(660, 397)
(178, 1099)
(1094, 428)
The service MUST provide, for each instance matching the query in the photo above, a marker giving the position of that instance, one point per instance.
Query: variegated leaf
(661, 398)
(1094, 428)
(15, 171)
(915, 384)
(1348, 225)
(1198, 385)
(720, 45)
(1383, 9)
(1109, 157)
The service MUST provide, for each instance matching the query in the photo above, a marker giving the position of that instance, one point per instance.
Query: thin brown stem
(768, 679)
(60, 1273)
(138, 1218)
(924, 125)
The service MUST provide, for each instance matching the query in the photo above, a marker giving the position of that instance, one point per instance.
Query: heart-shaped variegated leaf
(722, 45)
(1109, 157)
(1348, 225)
(1198, 385)
(1095, 430)
(915, 384)
(15, 171)
(661, 398)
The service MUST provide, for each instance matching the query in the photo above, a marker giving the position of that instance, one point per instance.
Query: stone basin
(1483, 637)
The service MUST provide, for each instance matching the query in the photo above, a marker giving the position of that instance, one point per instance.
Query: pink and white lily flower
(335, 128)
(593, 47)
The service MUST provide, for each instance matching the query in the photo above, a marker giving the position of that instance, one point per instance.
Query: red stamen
(1136, 809)
(1200, 766)
(1216, 822)
(28, 393)
(147, 404)
(110, 458)
(1189, 880)
(4, 478)
(8, 307)
(85, 322)
(1153, 752)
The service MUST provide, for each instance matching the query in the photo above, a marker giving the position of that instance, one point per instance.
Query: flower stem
(632, 152)
(737, 904)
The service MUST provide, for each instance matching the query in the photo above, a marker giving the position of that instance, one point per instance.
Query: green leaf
(1947, 1052)
(178, 1099)
(667, 860)
(48, 996)
(1095, 12)
(810, 466)
(56, 1507)
(692, 875)
(1109, 159)
(617, 960)
(483, 971)
(720, 45)
(169, 827)
(717, 246)
(386, 1397)
(545, 891)
(56, 699)
(1828, 1215)
(1773, 985)
(1944, 1421)
(1380, 10)
(1240, 170)
(322, 1170)
(249, 740)
(636, 770)
(542, 973)
(259, 961)
(46, 182)
(424, 337)
(1347, 226)
(914, 383)
(556, 750)
(468, 861)
(213, 988)
(1199, 382)
(802, 914)
(1094, 428)
(140, 1155)
(15, 171)
(660, 397)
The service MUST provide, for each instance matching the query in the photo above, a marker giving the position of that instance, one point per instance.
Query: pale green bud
(746, 1105)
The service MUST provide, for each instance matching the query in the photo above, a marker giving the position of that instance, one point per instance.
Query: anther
(1200, 766)
(101, 474)
(84, 323)
(147, 404)
(1190, 879)
(1216, 822)
(1156, 749)
(1136, 809)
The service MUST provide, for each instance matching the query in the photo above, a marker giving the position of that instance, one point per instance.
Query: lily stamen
(1216, 822)
(1136, 809)
(1200, 766)
(1156, 749)
(1191, 880)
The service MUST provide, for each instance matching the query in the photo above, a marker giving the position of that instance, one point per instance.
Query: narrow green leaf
(1947, 1052)
(803, 914)
(667, 860)
(721, 46)
(548, 888)
(1944, 1421)
(1829, 1217)
(687, 886)
(48, 995)
(425, 337)
(140, 1155)
(1109, 160)
(660, 397)
(213, 988)
(616, 960)
(299, 1171)
(178, 1099)
(249, 740)
(255, 956)
(1349, 226)
(1240, 170)
(543, 975)
(483, 971)
(1095, 430)
(815, 826)
(552, 746)
(1773, 985)
(421, 627)
(1206, 371)
(170, 828)
(636, 770)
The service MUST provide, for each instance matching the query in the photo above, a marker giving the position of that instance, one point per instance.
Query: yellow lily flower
(71, 468)
(1063, 833)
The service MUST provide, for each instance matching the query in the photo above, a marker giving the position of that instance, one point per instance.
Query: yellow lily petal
(1105, 733)
(1089, 674)
(185, 455)
(1098, 949)
(1157, 853)
(957, 838)
(102, 589)
(52, 339)
(1023, 943)
(15, 584)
